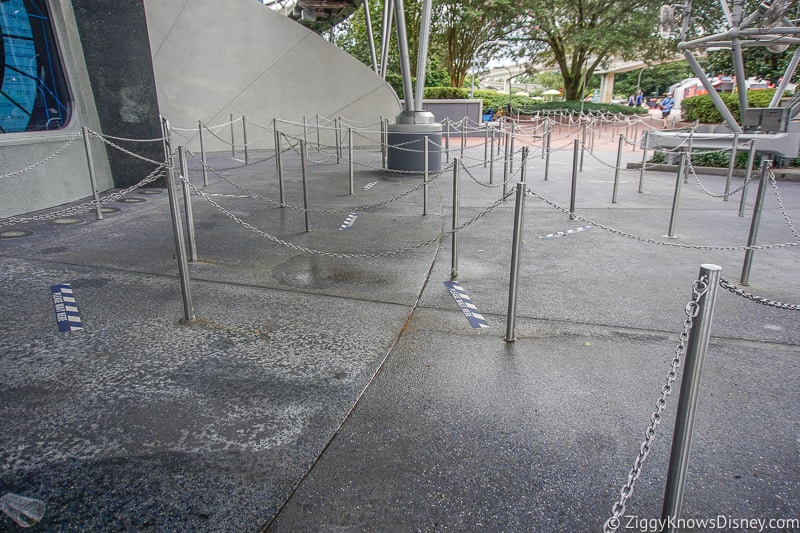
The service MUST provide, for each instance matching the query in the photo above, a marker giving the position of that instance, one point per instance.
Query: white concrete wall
(215, 58)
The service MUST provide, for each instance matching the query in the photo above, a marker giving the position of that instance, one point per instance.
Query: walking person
(666, 106)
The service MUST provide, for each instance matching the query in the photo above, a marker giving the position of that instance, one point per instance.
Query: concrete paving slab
(332, 383)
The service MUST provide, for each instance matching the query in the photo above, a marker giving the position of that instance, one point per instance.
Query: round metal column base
(406, 147)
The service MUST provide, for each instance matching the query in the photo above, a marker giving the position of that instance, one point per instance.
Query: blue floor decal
(348, 222)
(67, 315)
(463, 300)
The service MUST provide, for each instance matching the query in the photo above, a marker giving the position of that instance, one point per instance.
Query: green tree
(463, 25)
(579, 36)
(758, 62)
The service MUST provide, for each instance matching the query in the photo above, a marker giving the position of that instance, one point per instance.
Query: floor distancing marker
(348, 222)
(67, 315)
(565, 233)
(370, 185)
(463, 300)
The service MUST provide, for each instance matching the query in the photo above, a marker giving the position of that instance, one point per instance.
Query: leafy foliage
(579, 37)
(701, 108)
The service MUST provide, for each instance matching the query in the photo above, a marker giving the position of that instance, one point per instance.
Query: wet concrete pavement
(345, 390)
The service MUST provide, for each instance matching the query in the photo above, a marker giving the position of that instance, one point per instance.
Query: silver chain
(303, 249)
(654, 241)
(780, 204)
(86, 206)
(725, 284)
(699, 288)
(708, 192)
(297, 208)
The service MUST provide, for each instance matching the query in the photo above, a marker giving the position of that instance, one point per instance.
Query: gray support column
(787, 77)
(422, 54)
(373, 56)
(386, 32)
(405, 65)
(712, 92)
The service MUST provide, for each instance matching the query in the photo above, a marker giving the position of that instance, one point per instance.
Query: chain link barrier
(251, 194)
(654, 241)
(342, 255)
(725, 284)
(86, 206)
(699, 288)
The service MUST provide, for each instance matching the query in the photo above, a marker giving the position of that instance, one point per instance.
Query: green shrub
(701, 108)
(445, 93)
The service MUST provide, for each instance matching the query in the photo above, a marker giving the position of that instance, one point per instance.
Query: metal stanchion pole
(547, 152)
(385, 141)
(319, 145)
(676, 198)
(516, 251)
(277, 143)
(233, 141)
(447, 141)
(616, 170)
(278, 150)
(690, 393)
(506, 161)
(463, 137)
(583, 144)
(337, 131)
(486, 144)
(350, 156)
(575, 155)
(755, 222)
(303, 157)
(644, 160)
(454, 261)
(187, 203)
(731, 166)
(244, 139)
(92, 178)
(202, 153)
(751, 157)
(512, 139)
(491, 160)
(635, 135)
(523, 170)
(547, 129)
(425, 178)
(305, 130)
(690, 150)
(180, 251)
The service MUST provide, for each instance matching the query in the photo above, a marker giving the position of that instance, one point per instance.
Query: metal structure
(768, 26)
(317, 15)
